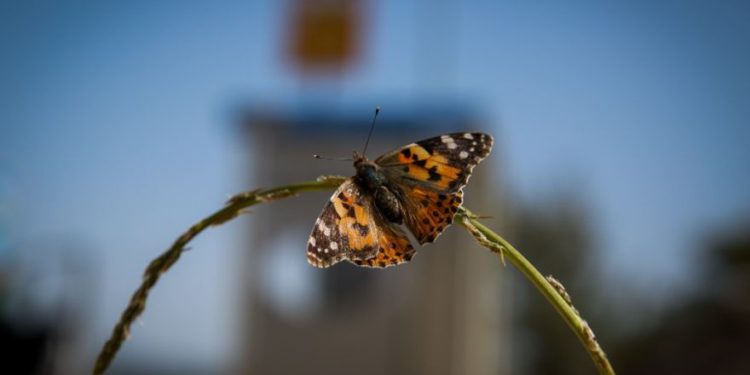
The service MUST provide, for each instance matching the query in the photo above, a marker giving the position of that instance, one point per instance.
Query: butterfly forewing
(441, 163)
(325, 247)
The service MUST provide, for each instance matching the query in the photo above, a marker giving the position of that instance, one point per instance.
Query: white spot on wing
(452, 145)
(468, 136)
(446, 139)
(327, 232)
(311, 241)
(334, 246)
(463, 155)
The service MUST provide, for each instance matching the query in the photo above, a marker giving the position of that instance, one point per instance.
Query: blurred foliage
(709, 333)
(706, 332)
(555, 235)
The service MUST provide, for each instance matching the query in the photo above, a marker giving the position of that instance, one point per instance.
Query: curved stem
(236, 205)
(549, 287)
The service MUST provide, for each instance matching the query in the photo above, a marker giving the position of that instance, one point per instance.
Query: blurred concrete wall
(442, 313)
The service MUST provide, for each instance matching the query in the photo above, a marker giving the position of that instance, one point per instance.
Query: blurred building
(442, 313)
(47, 286)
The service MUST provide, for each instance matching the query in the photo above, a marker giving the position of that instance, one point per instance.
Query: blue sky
(114, 125)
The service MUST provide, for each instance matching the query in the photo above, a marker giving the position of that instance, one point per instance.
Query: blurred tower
(439, 314)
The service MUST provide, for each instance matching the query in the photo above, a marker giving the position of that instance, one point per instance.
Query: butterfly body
(419, 186)
(372, 180)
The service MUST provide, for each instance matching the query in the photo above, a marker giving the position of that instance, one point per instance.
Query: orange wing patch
(356, 225)
(430, 212)
(432, 169)
(394, 249)
(441, 163)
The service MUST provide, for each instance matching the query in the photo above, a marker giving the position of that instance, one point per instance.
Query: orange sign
(324, 33)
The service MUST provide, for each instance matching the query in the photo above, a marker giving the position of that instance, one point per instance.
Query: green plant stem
(550, 288)
(239, 203)
(234, 207)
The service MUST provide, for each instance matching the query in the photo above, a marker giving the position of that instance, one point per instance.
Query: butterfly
(418, 186)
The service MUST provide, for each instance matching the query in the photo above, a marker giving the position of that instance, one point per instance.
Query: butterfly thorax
(372, 180)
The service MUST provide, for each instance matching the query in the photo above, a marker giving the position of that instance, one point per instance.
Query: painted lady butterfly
(419, 186)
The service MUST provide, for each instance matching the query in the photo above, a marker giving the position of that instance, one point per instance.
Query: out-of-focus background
(621, 166)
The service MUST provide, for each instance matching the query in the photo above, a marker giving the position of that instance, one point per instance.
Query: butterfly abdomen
(388, 205)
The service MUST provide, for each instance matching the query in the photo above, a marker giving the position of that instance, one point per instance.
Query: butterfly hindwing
(394, 248)
(428, 212)
(349, 228)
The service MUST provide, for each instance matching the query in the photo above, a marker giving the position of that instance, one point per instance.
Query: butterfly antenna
(316, 156)
(372, 127)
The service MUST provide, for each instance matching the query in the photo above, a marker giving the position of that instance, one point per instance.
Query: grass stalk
(238, 204)
(233, 208)
(549, 287)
